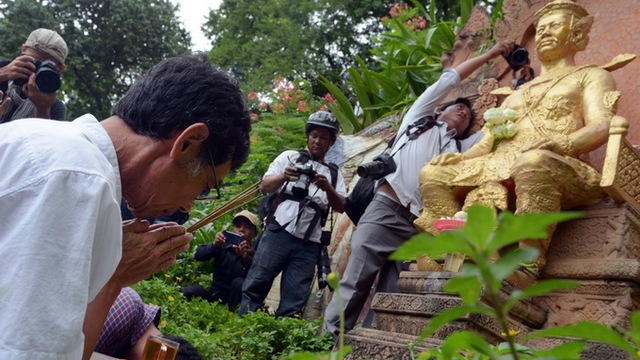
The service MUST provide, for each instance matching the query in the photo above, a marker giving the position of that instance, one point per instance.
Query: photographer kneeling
(291, 240)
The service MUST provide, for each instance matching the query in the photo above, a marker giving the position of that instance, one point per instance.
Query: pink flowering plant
(286, 97)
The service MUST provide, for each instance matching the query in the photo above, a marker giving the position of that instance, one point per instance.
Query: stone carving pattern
(422, 282)
(478, 21)
(407, 303)
(413, 325)
(607, 232)
(484, 101)
(377, 351)
(628, 175)
(589, 230)
(572, 308)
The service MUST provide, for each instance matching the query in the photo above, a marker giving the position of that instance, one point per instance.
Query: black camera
(324, 262)
(381, 166)
(518, 58)
(306, 173)
(47, 76)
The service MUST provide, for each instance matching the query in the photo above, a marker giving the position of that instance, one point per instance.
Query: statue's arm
(483, 147)
(599, 99)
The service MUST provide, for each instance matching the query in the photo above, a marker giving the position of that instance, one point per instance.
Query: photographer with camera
(291, 242)
(30, 82)
(388, 220)
(231, 255)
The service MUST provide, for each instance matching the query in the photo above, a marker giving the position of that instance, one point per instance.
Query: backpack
(360, 197)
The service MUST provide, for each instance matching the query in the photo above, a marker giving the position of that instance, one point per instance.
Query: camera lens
(47, 76)
(518, 58)
(371, 169)
(300, 189)
(47, 80)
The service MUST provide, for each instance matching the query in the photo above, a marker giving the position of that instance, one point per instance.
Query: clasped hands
(147, 249)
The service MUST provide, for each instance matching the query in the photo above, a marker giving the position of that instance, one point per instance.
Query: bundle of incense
(244, 197)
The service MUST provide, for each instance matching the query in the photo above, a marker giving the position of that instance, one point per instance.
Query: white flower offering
(501, 122)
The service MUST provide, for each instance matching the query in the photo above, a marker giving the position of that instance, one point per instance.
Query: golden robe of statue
(561, 116)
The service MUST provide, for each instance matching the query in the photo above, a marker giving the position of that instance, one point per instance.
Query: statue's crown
(566, 6)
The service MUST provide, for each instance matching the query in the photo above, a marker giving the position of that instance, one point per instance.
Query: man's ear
(188, 143)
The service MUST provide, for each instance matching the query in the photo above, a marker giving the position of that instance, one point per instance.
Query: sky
(193, 14)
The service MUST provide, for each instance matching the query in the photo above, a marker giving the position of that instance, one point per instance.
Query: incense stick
(244, 197)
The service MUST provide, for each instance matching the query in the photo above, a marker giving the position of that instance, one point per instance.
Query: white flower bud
(497, 131)
(494, 116)
(460, 215)
(510, 129)
(510, 114)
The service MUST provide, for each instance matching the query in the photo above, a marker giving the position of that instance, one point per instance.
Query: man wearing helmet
(291, 240)
(388, 220)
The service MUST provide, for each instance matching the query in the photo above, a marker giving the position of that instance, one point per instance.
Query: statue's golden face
(552, 36)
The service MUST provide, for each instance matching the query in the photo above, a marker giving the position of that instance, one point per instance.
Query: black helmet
(324, 119)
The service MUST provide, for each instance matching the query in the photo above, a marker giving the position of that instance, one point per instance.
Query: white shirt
(417, 153)
(289, 211)
(60, 232)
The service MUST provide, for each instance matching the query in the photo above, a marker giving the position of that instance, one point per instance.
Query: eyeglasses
(205, 193)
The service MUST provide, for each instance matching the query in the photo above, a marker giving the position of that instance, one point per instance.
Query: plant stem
(341, 336)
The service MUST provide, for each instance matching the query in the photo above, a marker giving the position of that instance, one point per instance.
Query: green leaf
(480, 224)
(468, 287)
(344, 111)
(466, 6)
(423, 244)
(511, 261)
(512, 228)
(416, 246)
(466, 340)
(634, 332)
(588, 331)
(568, 351)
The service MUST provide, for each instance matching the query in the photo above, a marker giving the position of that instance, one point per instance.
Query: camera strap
(421, 125)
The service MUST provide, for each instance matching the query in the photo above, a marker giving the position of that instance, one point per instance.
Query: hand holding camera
(20, 68)
(47, 75)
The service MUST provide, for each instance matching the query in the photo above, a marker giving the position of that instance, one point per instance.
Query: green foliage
(483, 235)
(407, 57)
(261, 336)
(290, 38)
(110, 43)
(220, 334)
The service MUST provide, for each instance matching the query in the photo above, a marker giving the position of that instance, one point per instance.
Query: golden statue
(560, 117)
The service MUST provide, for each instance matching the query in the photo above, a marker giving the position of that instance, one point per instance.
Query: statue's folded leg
(537, 187)
(491, 194)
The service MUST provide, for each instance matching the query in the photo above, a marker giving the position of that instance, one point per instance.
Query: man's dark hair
(186, 351)
(181, 91)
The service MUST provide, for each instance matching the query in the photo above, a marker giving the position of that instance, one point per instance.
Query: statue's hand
(446, 159)
(562, 147)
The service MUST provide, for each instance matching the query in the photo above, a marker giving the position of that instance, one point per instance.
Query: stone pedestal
(600, 251)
